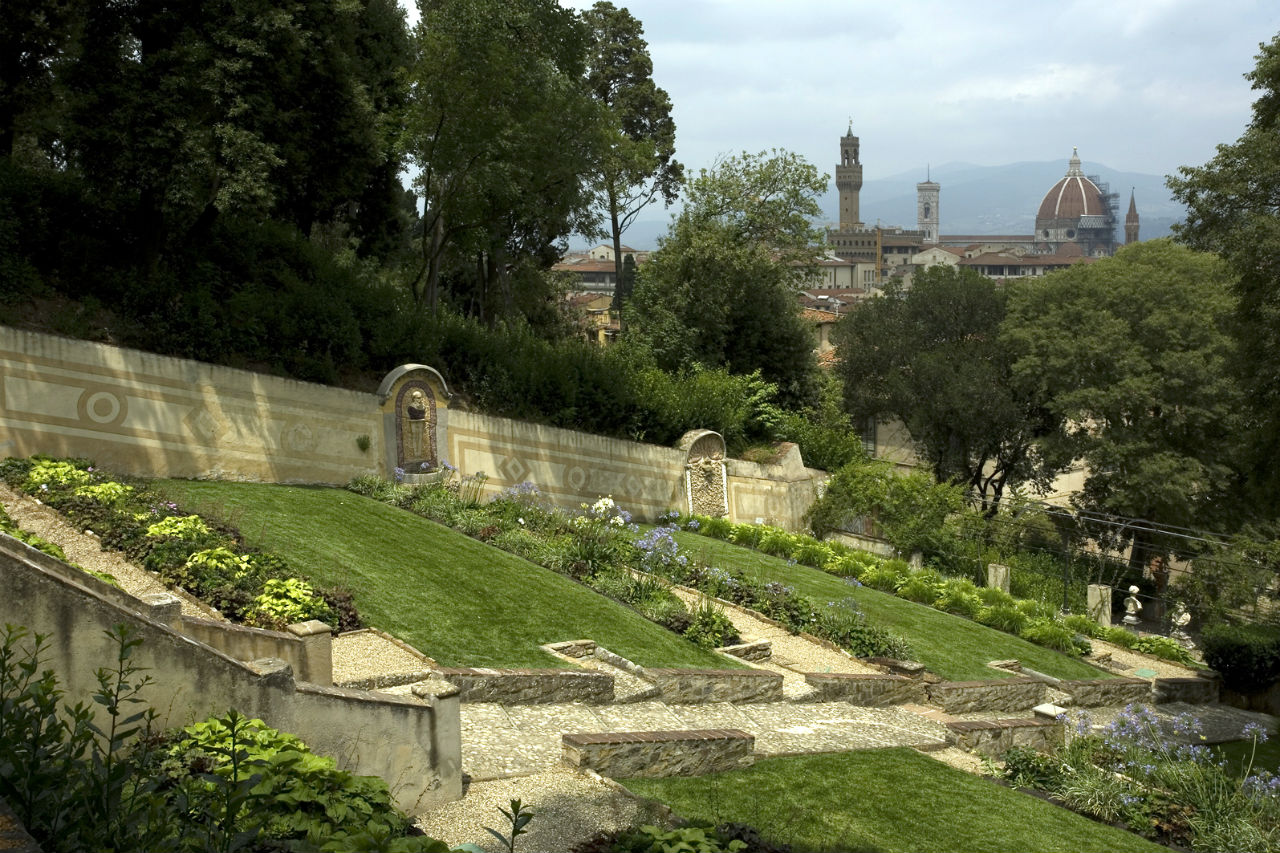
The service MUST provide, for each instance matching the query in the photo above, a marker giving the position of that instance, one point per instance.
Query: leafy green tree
(504, 131)
(639, 166)
(1233, 209)
(932, 358)
(1132, 353)
(35, 36)
(721, 289)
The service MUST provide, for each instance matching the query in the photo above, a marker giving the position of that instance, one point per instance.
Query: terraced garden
(458, 600)
(956, 649)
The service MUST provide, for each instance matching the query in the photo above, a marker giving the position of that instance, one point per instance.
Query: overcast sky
(1138, 85)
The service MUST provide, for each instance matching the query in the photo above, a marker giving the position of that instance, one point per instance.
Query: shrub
(887, 576)
(848, 565)
(1024, 767)
(1036, 609)
(716, 528)
(108, 494)
(1055, 635)
(1118, 636)
(921, 587)
(994, 596)
(959, 596)
(1004, 617)
(776, 542)
(810, 552)
(1247, 656)
(746, 535)
(45, 474)
(710, 628)
(1082, 624)
(1164, 648)
(844, 624)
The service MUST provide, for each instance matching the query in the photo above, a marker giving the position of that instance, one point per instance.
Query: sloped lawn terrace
(954, 648)
(891, 800)
(457, 600)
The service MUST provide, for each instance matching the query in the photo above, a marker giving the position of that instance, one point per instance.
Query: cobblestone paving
(502, 741)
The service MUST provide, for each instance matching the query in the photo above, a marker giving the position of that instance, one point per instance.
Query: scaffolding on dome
(1111, 211)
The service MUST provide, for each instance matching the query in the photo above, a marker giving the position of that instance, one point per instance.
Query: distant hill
(973, 200)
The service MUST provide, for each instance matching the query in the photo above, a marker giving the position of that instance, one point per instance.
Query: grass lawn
(883, 800)
(460, 601)
(956, 649)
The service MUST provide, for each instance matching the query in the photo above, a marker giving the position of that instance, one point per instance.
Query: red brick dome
(1072, 197)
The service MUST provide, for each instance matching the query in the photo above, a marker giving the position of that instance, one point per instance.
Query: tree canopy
(1132, 354)
(638, 166)
(932, 357)
(1233, 209)
(721, 289)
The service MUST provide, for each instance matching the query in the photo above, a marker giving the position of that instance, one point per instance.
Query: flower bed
(600, 547)
(1031, 620)
(209, 561)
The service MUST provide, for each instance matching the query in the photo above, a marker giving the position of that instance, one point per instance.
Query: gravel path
(1130, 662)
(568, 808)
(85, 550)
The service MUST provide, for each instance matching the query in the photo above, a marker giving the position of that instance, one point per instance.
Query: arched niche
(705, 478)
(415, 401)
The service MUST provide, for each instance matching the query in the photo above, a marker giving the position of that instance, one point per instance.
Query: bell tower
(849, 180)
(1131, 221)
(927, 208)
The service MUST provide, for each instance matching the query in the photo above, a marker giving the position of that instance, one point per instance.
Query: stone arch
(705, 477)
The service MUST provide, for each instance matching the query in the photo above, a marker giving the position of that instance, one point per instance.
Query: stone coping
(529, 686)
(706, 671)
(699, 686)
(992, 725)
(690, 735)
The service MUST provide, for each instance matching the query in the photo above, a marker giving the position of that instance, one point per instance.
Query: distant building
(594, 270)
(1076, 220)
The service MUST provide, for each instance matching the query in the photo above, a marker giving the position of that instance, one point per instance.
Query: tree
(34, 36)
(639, 167)
(720, 291)
(1233, 209)
(504, 131)
(1132, 353)
(932, 358)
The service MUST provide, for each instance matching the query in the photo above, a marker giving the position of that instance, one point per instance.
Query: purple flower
(1255, 731)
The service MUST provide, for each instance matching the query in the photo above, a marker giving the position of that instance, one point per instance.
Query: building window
(869, 437)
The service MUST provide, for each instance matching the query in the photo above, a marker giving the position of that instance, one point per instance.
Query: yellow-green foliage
(107, 494)
(179, 527)
(50, 472)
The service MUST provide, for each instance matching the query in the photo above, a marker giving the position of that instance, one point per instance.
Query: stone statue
(1132, 607)
(416, 412)
(1181, 618)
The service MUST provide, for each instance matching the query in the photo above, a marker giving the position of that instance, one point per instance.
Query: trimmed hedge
(1247, 656)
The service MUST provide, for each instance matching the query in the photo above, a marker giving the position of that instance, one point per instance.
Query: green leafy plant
(518, 820)
(284, 602)
(362, 442)
(710, 628)
(47, 473)
(108, 493)
(186, 528)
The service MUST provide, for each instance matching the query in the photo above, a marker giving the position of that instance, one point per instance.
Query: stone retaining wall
(1004, 694)
(1093, 692)
(1193, 691)
(872, 690)
(695, 686)
(996, 737)
(658, 754)
(414, 743)
(307, 647)
(530, 686)
(756, 650)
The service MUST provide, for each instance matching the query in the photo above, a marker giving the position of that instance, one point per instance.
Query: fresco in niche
(416, 426)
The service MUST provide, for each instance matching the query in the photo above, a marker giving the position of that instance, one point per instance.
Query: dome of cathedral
(1072, 197)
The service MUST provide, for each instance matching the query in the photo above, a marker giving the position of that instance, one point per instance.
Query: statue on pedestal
(1132, 607)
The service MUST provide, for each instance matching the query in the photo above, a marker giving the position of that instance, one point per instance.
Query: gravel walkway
(568, 808)
(1129, 662)
(85, 550)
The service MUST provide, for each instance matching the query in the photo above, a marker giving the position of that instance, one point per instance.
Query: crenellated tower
(1131, 221)
(849, 181)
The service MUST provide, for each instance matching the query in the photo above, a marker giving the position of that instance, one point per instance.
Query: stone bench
(696, 686)
(657, 754)
(1193, 690)
(868, 689)
(530, 686)
(996, 737)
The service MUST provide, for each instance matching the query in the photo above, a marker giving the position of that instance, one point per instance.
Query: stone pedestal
(164, 607)
(317, 651)
(1099, 604)
(998, 576)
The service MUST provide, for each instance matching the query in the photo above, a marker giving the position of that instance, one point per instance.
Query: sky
(1137, 85)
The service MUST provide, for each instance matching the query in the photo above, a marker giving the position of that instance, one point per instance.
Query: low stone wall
(996, 737)
(307, 646)
(1093, 692)
(658, 754)
(869, 689)
(1193, 691)
(756, 650)
(530, 686)
(1004, 694)
(696, 686)
(414, 743)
